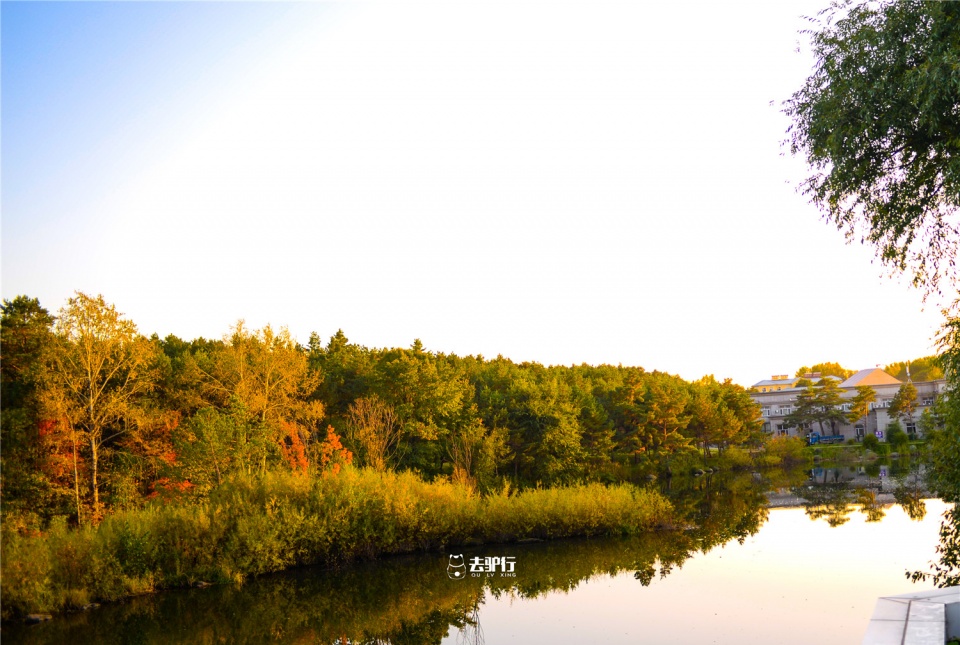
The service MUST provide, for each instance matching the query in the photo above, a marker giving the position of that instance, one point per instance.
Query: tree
(944, 473)
(24, 337)
(826, 369)
(904, 402)
(664, 402)
(878, 125)
(860, 405)
(829, 399)
(918, 370)
(97, 371)
(266, 371)
(375, 430)
(805, 411)
(818, 403)
(896, 437)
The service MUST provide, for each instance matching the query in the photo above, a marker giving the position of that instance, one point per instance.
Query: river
(737, 572)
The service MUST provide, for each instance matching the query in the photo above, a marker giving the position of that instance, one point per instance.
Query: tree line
(927, 368)
(96, 416)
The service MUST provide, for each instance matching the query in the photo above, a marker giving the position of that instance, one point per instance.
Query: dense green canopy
(878, 121)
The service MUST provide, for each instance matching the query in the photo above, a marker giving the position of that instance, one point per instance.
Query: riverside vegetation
(134, 463)
(410, 599)
(251, 526)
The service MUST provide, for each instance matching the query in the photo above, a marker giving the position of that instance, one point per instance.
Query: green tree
(819, 404)
(878, 125)
(829, 400)
(904, 402)
(97, 373)
(921, 369)
(212, 445)
(664, 402)
(860, 404)
(944, 473)
(805, 411)
(25, 334)
(896, 437)
(826, 369)
(927, 423)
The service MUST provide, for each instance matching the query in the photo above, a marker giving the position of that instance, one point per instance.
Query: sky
(559, 182)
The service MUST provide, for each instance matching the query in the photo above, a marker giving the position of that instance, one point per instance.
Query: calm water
(736, 573)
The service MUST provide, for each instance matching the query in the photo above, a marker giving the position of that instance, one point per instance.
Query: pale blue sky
(558, 182)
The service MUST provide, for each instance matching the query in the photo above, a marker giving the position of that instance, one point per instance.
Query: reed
(250, 526)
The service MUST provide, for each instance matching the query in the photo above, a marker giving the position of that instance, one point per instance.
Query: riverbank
(252, 526)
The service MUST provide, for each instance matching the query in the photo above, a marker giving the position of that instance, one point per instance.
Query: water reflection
(412, 600)
(832, 494)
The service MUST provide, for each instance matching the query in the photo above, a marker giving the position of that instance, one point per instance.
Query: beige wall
(776, 405)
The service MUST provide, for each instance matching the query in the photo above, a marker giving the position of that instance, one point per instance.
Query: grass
(252, 526)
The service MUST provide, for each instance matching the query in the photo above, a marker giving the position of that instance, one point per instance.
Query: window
(910, 427)
(858, 429)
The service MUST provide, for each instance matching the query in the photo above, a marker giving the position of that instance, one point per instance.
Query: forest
(99, 418)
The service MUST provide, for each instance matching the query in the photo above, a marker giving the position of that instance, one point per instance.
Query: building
(777, 398)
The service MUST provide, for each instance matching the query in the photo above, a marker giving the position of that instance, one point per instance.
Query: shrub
(786, 451)
(870, 442)
(735, 458)
(896, 437)
(254, 525)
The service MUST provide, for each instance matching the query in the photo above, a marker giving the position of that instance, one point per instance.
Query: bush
(735, 458)
(250, 526)
(896, 437)
(870, 442)
(785, 451)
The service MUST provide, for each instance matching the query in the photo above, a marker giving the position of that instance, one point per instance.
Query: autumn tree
(266, 371)
(266, 374)
(97, 371)
(375, 431)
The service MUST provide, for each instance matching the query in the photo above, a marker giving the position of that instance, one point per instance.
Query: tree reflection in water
(869, 505)
(827, 501)
(410, 599)
(910, 491)
(472, 633)
(830, 494)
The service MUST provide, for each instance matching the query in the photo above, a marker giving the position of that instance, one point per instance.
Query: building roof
(784, 382)
(873, 376)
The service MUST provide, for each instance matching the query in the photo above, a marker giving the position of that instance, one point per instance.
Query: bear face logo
(456, 569)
